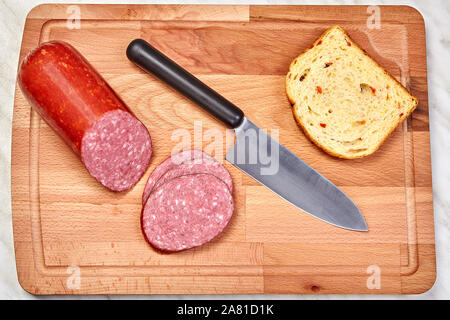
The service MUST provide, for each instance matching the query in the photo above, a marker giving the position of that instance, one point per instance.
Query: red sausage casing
(77, 103)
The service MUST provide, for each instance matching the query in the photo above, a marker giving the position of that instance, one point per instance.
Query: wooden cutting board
(72, 236)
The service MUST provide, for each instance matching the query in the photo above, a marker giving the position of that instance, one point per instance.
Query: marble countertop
(436, 13)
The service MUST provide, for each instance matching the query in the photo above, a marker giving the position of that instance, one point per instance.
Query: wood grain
(63, 218)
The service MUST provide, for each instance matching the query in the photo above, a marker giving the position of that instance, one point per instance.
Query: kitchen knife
(255, 152)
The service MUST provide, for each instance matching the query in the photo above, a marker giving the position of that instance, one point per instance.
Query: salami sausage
(78, 104)
(186, 212)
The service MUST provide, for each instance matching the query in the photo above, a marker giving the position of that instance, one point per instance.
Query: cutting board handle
(150, 59)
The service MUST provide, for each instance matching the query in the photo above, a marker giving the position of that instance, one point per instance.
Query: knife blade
(292, 178)
(255, 152)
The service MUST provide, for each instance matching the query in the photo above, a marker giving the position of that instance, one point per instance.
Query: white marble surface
(436, 14)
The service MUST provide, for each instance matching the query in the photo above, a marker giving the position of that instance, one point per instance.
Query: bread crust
(317, 143)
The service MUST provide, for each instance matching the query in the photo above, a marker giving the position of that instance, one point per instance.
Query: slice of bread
(345, 102)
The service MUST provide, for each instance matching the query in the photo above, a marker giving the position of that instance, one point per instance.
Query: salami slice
(187, 156)
(186, 212)
(78, 104)
(214, 168)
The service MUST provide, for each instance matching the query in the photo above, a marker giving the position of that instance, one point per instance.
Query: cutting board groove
(72, 236)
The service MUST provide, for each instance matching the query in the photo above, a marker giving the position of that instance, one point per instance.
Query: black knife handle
(150, 59)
